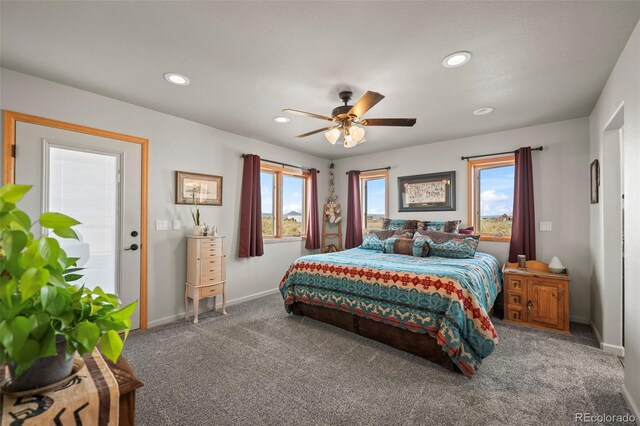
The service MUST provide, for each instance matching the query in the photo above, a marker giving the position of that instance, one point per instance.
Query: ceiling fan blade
(366, 102)
(307, 114)
(406, 122)
(324, 129)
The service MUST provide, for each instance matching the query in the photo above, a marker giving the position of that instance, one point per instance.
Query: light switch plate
(545, 226)
(162, 225)
(177, 224)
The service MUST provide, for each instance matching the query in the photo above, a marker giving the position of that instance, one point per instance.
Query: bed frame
(421, 345)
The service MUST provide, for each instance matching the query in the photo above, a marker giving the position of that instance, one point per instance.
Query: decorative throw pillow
(371, 241)
(399, 224)
(398, 245)
(467, 231)
(374, 240)
(420, 245)
(450, 226)
(455, 246)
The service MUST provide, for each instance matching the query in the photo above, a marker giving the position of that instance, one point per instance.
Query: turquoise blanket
(448, 299)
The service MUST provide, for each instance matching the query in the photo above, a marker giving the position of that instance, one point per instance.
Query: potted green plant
(197, 228)
(205, 229)
(44, 319)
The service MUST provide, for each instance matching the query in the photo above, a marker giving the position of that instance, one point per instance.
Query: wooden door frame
(10, 118)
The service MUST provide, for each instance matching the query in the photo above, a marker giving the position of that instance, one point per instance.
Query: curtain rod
(372, 170)
(497, 153)
(282, 164)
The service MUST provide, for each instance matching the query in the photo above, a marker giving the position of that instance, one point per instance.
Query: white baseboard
(612, 349)
(205, 308)
(631, 404)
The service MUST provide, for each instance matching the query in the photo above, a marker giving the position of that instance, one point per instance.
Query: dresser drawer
(211, 250)
(213, 278)
(210, 265)
(211, 290)
(515, 284)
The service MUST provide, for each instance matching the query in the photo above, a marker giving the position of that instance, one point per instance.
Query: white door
(97, 181)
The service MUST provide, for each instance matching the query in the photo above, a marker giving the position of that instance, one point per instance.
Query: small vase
(556, 266)
(197, 230)
(44, 371)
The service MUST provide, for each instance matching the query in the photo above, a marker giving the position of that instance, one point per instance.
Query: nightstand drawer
(514, 313)
(515, 284)
(211, 290)
(515, 299)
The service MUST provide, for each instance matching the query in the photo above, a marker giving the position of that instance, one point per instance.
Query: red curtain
(251, 209)
(313, 226)
(354, 212)
(523, 228)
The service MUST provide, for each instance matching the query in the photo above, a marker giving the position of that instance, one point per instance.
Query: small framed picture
(206, 190)
(427, 193)
(595, 182)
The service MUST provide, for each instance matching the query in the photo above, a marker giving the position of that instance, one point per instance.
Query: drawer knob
(530, 305)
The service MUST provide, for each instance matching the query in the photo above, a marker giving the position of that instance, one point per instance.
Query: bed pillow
(399, 224)
(450, 226)
(420, 246)
(398, 245)
(374, 240)
(454, 246)
(467, 231)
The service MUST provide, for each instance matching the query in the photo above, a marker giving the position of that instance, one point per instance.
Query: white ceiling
(534, 62)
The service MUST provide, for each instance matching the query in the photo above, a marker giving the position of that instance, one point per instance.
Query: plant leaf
(124, 313)
(65, 233)
(14, 242)
(27, 355)
(87, 334)
(12, 193)
(111, 345)
(32, 281)
(57, 220)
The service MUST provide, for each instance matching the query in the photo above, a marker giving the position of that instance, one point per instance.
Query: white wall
(623, 88)
(561, 185)
(174, 144)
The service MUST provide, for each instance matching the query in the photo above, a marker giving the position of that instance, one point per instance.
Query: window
(284, 200)
(375, 198)
(491, 184)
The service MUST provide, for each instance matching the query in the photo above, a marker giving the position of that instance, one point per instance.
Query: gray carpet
(258, 365)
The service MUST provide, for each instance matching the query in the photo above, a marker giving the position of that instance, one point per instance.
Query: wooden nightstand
(536, 297)
(206, 272)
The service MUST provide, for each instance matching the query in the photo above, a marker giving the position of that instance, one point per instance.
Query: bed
(434, 307)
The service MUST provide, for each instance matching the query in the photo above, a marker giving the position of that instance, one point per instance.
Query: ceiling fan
(348, 120)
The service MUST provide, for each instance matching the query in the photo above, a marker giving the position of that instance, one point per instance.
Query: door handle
(132, 247)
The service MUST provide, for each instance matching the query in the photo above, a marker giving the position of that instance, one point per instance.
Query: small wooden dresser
(206, 272)
(536, 297)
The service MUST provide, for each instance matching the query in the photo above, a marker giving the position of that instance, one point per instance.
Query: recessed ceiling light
(178, 79)
(281, 119)
(456, 59)
(483, 111)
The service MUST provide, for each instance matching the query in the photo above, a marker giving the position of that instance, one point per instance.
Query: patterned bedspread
(447, 298)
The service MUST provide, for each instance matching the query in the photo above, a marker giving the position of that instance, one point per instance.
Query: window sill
(282, 240)
(495, 239)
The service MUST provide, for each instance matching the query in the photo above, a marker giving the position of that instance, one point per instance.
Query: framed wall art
(207, 189)
(427, 193)
(595, 182)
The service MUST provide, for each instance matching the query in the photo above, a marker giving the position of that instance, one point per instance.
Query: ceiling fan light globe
(349, 142)
(357, 133)
(332, 135)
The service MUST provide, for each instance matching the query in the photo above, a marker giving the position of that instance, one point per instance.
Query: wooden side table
(536, 297)
(206, 272)
(127, 384)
